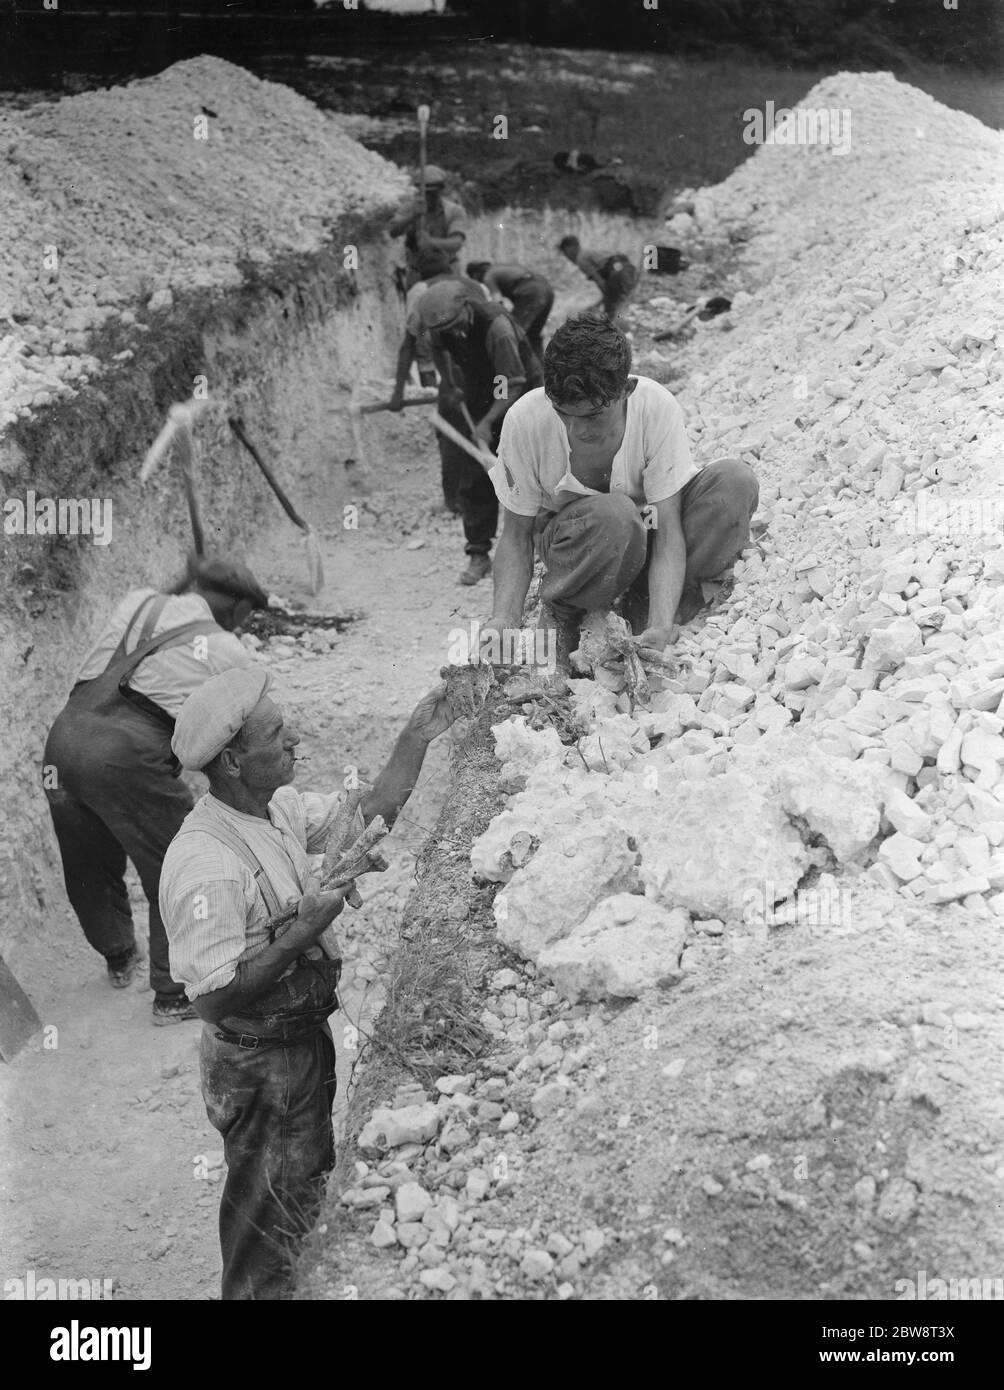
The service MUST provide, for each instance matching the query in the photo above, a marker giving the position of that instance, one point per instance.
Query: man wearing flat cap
(437, 224)
(485, 363)
(111, 780)
(267, 1057)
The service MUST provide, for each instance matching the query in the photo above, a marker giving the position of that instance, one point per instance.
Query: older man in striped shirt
(267, 1056)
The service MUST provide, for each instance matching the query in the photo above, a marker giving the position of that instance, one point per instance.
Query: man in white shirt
(595, 470)
(267, 1057)
(110, 778)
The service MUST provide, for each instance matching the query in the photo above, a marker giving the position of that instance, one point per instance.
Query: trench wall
(282, 351)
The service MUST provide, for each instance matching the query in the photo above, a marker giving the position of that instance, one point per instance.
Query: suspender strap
(150, 621)
(229, 837)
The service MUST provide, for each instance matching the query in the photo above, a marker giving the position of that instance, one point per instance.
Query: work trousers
(597, 548)
(467, 489)
(116, 798)
(273, 1109)
(532, 301)
(618, 287)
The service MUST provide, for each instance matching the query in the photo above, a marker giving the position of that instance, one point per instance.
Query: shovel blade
(18, 1020)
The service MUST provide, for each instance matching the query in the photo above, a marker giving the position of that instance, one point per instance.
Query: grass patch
(673, 122)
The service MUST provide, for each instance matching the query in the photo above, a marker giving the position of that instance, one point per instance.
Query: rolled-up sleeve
(669, 463)
(512, 476)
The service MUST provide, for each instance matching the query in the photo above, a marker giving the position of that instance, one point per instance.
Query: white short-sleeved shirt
(169, 676)
(214, 913)
(533, 474)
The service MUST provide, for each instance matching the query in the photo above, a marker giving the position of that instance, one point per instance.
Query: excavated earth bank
(802, 1101)
(276, 331)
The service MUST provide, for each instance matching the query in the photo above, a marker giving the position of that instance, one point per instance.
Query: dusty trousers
(467, 488)
(114, 793)
(273, 1109)
(532, 302)
(597, 548)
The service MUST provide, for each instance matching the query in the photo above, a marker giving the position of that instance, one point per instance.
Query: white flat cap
(212, 715)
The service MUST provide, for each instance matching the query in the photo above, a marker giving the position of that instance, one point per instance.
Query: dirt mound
(804, 1107)
(114, 198)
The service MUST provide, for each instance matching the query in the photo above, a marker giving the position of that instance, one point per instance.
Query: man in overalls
(485, 364)
(531, 296)
(110, 777)
(267, 1056)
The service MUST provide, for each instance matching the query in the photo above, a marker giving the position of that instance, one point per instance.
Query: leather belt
(253, 1042)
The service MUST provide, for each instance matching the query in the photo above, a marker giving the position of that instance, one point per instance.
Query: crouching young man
(595, 471)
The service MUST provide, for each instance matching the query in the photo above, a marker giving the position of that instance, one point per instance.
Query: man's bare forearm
(665, 578)
(513, 572)
(397, 780)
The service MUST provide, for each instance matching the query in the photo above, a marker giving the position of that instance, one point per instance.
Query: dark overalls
(472, 367)
(117, 794)
(268, 1081)
(532, 300)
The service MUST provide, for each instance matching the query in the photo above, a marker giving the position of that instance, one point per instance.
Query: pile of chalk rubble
(832, 733)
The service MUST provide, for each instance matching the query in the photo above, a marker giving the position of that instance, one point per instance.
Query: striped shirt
(213, 911)
(168, 677)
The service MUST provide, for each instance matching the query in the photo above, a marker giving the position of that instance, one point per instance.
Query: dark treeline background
(803, 31)
(124, 37)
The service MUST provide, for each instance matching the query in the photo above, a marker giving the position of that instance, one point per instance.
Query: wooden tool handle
(483, 456)
(374, 406)
(238, 428)
(186, 455)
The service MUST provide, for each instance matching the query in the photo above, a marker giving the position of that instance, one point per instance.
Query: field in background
(673, 123)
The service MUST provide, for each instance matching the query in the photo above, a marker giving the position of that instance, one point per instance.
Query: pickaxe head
(180, 418)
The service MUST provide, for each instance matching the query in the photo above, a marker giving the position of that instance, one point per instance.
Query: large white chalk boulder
(626, 945)
(712, 845)
(838, 800)
(562, 883)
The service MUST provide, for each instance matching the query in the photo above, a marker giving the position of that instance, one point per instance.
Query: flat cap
(229, 577)
(434, 176)
(212, 715)
(440, 305)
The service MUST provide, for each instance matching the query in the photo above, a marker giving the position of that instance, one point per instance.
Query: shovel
(313, 547)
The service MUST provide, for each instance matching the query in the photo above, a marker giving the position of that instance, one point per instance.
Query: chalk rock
(902, 854)
(521, 749)
(536, 1264)
(556, 891)
(837, 799)
(388, 1129)
(889, 646)
(626, 945)
(438, 1278)
(906, 816)
(411, 1201)
(801, 672)
(982, 750)
(713, 842)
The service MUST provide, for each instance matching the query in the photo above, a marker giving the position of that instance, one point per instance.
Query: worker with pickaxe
(111, 779)
(485, 364)
(263, 979)
(430, 223)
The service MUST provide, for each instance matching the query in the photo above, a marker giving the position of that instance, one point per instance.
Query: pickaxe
(178, 429)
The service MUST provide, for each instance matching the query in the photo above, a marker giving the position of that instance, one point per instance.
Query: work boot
(173, 1008)
(122, 969)
(477, 569)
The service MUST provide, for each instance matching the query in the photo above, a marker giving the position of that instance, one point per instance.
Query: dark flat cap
(229, 577)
